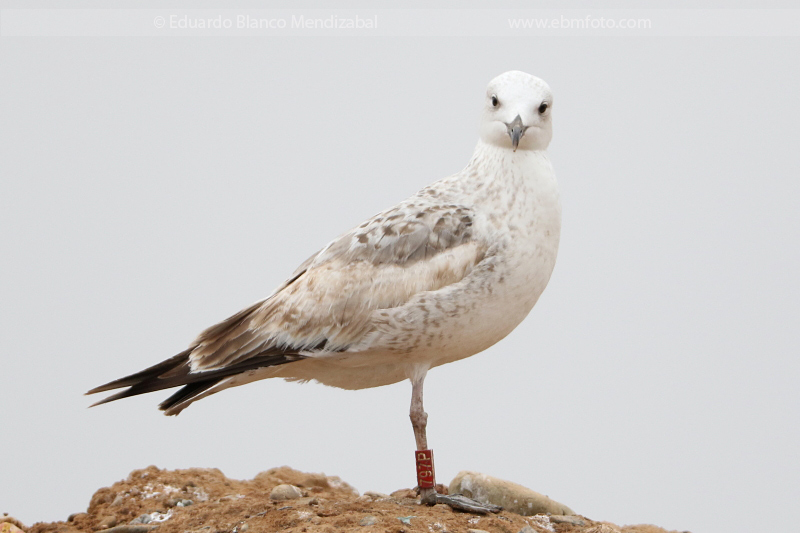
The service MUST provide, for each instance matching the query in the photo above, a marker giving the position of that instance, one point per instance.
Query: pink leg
(419, 421)
(428, 495)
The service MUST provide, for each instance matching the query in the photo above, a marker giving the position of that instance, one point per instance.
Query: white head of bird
(517, 112)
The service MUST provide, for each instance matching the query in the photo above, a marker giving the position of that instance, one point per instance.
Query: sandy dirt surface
(205, 501)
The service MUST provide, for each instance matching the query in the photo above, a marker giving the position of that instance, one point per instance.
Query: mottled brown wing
(403, 235)
(328, 302)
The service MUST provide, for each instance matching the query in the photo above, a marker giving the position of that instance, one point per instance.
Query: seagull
(441, 276)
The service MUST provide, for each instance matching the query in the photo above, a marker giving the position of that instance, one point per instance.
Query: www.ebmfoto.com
(585, 23)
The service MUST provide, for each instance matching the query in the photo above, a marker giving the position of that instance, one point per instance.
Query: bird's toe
(461, 503)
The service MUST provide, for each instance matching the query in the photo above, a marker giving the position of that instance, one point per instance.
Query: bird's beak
(516, 129)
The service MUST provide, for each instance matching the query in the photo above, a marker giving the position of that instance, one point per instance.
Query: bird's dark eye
(494, 100)
(543, 107)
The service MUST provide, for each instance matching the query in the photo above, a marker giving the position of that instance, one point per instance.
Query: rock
(141, 519)
(368, 521)
(5, 519)
(567, 519)
(403, 493)
(336, 482)
(184, 503)
(543, 521)
(294, 477)
(511, 496)
(527, 529)
(477, 531)
(153, 517)
(156, 517)
(372, 495)
(128, 529)
(110, 521)
(309, 481)
(8, 527)
(602, 528)
(285, 492)
(76, 516)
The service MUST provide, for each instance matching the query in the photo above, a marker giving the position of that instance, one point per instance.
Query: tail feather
(185, 394)
(176, 372)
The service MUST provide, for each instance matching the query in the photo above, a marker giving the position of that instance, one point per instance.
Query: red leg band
(426, 479)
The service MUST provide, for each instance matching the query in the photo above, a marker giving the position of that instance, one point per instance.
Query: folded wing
(327, 305)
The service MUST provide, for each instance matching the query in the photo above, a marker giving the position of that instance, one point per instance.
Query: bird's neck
(486, 153)
(493, 167)
(521, 185)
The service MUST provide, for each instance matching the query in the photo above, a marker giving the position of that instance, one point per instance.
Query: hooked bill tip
(516, 130)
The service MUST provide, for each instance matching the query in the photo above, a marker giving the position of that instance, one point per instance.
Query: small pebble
(109, 521)
(406, 519)
(285, 492)
(376, 495)
(542, 521)
(527, 529)
(404, 493)
(244, 528)
(178, 502)
(477, 531)
(368, 521)
(141, 519)
(75, 516)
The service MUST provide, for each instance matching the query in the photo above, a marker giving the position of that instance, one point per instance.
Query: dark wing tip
(102, 388)
(175, 372)
(146, 374)
(107, 399)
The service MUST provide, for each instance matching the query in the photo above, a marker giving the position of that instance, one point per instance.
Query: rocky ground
(283, 499)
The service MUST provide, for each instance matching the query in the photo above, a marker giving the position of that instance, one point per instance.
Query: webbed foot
(461, 503)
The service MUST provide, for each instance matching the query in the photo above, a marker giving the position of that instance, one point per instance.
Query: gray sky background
(150, 187)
